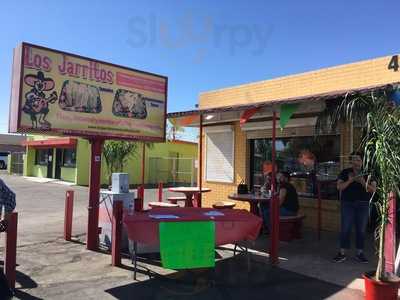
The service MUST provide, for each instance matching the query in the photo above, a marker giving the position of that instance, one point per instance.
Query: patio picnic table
(233, 226)
(252, 199)
(189, 193)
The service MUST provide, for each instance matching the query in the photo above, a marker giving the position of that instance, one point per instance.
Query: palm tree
(381, 147)
(117, 154)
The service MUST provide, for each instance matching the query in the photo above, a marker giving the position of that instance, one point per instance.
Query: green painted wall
(82, 162)
(68, 174)
(9, 164)
(153, 166)
(30, 169)
(156, 169)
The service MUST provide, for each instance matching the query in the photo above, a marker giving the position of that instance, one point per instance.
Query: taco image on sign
(80, 97)
(129, 105)
(36, 101)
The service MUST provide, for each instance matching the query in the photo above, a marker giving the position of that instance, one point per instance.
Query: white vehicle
(3, 160)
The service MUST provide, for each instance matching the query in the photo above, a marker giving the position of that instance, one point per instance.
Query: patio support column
(143, 162)
(94, 195)
(199, 202)
(319, 219)
(274, 204)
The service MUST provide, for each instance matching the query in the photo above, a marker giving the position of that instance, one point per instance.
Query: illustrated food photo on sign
(76, 96)
(61, 93)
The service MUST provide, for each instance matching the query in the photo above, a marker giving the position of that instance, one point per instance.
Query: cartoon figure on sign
(36, 102)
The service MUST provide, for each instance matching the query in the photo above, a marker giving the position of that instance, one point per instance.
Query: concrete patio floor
(50, 268)
(66, 270)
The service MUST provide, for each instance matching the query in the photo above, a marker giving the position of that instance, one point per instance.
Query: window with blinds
(219, 154)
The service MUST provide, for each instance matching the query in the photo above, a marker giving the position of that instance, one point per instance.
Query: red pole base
(69, 207)
(10, 260)
(116, 234)
(140, 199)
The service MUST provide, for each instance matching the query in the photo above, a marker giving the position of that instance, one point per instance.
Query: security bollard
(116, 233)
(10, 253)
(68, 213)
(160, 191)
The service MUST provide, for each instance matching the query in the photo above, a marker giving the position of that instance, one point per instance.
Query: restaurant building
(68, 158)
(236, 133)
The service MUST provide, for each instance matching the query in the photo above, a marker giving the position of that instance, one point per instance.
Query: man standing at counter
(355, 193)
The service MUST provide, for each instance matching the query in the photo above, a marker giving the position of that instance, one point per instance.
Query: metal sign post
(274, 204)
(94, 195)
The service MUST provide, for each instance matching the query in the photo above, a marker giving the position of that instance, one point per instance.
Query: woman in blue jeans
(288, 199)
(355, 195)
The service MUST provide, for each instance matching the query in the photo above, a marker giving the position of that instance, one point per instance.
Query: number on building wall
(394, 63)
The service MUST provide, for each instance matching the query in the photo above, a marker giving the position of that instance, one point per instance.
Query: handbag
(242, 188)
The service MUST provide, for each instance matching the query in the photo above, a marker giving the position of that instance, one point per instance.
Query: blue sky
(203, 45)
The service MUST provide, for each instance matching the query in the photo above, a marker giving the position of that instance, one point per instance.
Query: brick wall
(343, 77)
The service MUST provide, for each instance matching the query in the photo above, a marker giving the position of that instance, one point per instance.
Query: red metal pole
(10, 253)
(390, 235)
(94, 194)
(69, 207)
(319, 221)
(199, 200)
(274, 207)
(143, 171)
(160, 191)
(116, 234)
(143, 162)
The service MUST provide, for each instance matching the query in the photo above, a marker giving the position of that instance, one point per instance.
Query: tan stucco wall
(344, 77)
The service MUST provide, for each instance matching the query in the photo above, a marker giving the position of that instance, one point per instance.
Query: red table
(252, 199)
(189, 193)
(235, 225)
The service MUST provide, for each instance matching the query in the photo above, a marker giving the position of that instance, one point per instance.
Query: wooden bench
(176, 199)
(162, 204)
(290, 227)
(224, 205)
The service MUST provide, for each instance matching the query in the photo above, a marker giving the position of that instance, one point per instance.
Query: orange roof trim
(67, 142)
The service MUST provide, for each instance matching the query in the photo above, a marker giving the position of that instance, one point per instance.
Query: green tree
(381, 147)
(117, 154)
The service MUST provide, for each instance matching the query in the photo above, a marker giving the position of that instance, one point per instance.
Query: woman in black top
(288, 199)
(355, 193)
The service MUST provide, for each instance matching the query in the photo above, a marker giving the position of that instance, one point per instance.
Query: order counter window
(307, 159)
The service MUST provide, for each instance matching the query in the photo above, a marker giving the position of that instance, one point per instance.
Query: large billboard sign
(54, 92)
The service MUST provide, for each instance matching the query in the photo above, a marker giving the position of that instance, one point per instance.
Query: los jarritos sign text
(89, 71)
(64, 93)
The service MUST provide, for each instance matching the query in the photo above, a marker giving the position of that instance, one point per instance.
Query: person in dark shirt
(356, 190)
(7, 201)
(288, 199)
